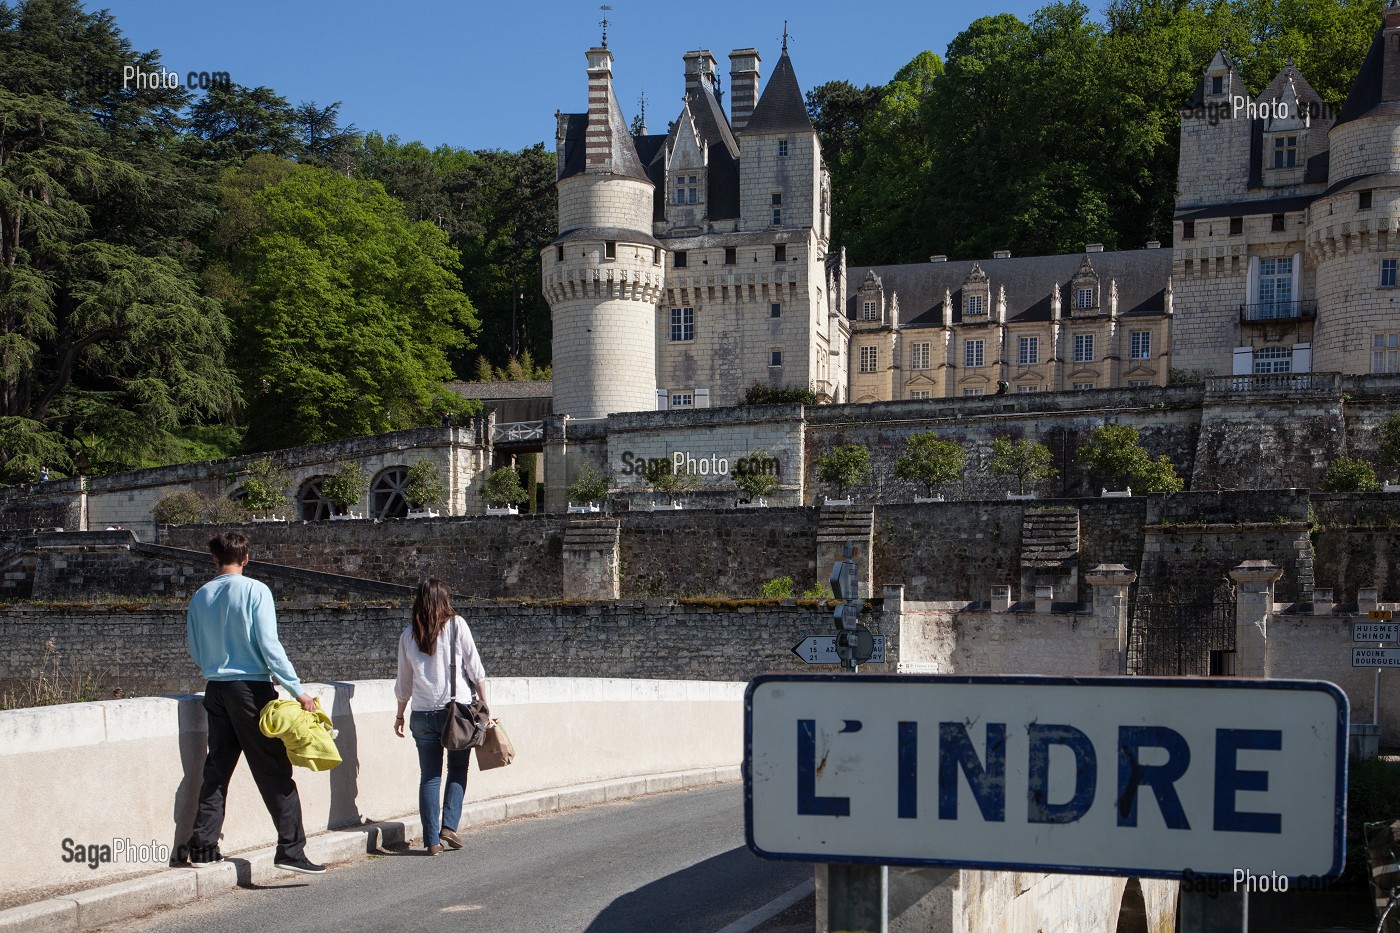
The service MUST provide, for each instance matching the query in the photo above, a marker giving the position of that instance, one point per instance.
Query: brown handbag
(464, 726)
(496, 750)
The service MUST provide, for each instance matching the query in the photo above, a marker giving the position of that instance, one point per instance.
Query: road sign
(1375, 631)
(821, 649)
(1112, 775)
(1382, 614)
(1375, 657)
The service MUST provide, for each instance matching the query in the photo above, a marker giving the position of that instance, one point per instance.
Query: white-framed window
(1385, 352)
(1084, 297)
(1083, 386)
(1388, 269)
(777, 205)
(1140, 344)
(1273, 360)
(973, 353)
(775, 310)
(1026, 390)
(775, 357)
(976, 304)
(1027, 351)
(919, 393)
(869, 359)
(1139, 383)
(682, 400)
(1276, 282)
(682, 323)
(782, 148)
(919, 355)
(687, 189)
(969, 393)
(1083, 348)
(869, 311)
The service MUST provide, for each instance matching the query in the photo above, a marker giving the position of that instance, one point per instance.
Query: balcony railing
(1278, 311)
(1325, 384)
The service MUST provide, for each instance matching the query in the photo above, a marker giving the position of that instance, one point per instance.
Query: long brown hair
(432, 608)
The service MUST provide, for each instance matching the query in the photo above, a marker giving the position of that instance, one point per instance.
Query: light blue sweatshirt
(232, 629)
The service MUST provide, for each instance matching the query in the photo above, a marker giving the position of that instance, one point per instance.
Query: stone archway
(386, 493)
(312, 502)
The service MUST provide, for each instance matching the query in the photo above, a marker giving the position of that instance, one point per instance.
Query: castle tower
(604, 274)
(1353, 233)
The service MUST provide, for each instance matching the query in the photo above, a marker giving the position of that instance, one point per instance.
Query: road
(671, 863)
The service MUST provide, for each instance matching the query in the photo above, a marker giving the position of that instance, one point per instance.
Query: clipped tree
(424, 486)
(1114, 453)
(663, 477)
(843, 467)
(503, 488)
(182, 507)
(753, 476)
(764, 393)
(266, 486)
(1026, 460)
(591, 486)
(1388, 452)
(221, 510)
(930, 461)
(1350, 474)
(345, 487)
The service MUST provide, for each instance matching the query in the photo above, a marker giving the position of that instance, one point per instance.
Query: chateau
(693, 264)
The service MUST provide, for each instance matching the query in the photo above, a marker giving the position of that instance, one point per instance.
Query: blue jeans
(426, 727)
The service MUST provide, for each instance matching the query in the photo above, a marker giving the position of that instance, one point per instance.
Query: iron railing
(1278, 311)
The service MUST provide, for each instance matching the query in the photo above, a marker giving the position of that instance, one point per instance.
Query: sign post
(1380, 631)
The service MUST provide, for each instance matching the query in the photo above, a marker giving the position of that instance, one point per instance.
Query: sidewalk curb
(170, 887)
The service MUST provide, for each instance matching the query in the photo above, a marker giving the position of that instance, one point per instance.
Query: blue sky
(490, 75)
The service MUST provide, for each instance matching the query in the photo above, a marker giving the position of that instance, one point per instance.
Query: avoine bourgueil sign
(1139, 776)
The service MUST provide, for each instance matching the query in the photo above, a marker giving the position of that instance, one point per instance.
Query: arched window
(386, 493)
(312, 502)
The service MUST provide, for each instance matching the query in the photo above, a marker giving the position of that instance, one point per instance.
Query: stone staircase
(1050, 552)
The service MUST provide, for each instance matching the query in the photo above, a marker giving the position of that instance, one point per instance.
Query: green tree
(424, 485)
(930, 461)
(1388, 447)
(233, 122)
(765, 393)
(754, 475)
(348, 314)
(1026, 460)
(346, 487)
(1115, 454)
(843, 467)
(1350, 474)
(265, 486)
(503, 488)
(183, 507)
(664, 478)
(591, 486)
(839, 110)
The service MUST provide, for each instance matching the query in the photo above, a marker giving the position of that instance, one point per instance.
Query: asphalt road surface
(671, 863)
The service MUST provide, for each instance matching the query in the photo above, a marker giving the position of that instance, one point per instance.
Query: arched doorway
(386, 493)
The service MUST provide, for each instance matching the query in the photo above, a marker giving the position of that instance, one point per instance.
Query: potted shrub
(929, 462)
(589, 491)
(265, 490)
(844, 467)
(345, 488)
(424, 487)
(755, 480)
(503, 492)
(664, 478)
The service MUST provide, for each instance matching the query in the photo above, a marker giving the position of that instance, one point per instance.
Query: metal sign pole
(857, 896)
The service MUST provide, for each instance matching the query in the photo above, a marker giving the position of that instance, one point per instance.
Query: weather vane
(785, 35)
(606, 10)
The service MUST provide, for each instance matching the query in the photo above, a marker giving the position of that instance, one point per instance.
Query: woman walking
(425, 652)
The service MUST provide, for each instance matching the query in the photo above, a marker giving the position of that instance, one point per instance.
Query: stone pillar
(1367, 599)
(1322, 602)
(1254, 608)
(1110, 583)
(1044, 599)
(556, 463)
(591, 559)
(1001, 598)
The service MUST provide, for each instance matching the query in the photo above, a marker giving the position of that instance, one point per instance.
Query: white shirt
(424, 677)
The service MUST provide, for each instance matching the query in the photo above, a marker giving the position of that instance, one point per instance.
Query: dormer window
(869, 311)
(1285, 151)
(1217, 84)
(976, 304)
(1084, 298)
(687, 189)
(1084, 289)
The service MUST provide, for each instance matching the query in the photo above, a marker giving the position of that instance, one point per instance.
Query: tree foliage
(503, 487)
(1350, 474)
(265, 486)
(664, 478)
(346, 486)
(930, 461)
(1029, 462)
(591, 486)
(765, 393)
(754, 474)
(843, 467)
(1388, 447)
(424, 485)
(1115, 455)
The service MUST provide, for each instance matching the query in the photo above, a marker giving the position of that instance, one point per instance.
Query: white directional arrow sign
(821, 649)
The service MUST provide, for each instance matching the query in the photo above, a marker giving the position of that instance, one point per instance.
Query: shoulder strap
(452, 671)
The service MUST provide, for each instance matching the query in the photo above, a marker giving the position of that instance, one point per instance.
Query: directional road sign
(1110, 775)
(1375, 631)
(821, 649)
(1375, 657)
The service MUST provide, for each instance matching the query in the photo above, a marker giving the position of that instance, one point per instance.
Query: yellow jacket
(309, 737)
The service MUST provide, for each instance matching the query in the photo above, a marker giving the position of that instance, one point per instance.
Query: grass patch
(56, 683)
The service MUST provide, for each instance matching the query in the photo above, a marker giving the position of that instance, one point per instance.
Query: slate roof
(1141, 276)
(781, 109)
(624, 158)
(1248, 208)
(1198, 96)
(1365, 93)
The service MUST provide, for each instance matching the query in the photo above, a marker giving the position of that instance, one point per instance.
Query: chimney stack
(598, 140)
(699, 69)
(1390, 34)
(743, 86)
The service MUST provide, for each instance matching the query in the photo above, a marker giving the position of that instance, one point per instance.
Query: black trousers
(232, 707)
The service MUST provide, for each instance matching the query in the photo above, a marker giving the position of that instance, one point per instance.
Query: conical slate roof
(1365, 91)
(781, 109)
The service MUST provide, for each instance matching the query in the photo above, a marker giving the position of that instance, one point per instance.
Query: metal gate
(1176, 630)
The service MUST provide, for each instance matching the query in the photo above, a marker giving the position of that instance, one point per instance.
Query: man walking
(232, 630)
